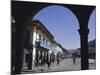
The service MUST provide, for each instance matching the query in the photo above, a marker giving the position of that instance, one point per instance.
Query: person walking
(74, 58)
(48, 60)
(58, 59)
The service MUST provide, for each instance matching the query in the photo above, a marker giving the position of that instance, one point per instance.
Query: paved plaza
(65, 65)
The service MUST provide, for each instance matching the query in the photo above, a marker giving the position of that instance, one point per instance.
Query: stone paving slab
(65, 65)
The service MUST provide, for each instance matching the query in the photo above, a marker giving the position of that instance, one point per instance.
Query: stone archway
(92, 25)
(24, 11)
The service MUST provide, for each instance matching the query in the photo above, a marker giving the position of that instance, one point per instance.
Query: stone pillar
(19, 44)
(44, 58)
(84, 48)
(30, 50)
(34, 46)
(37, 57)
(30, 60)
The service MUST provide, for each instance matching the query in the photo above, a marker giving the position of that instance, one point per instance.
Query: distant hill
(92, 44)
(91, 49)
(72, 51)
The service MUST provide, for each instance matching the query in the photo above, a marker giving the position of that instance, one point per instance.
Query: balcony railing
(43, 44)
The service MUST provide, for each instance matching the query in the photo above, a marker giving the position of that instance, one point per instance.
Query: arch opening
(92, 25)
(63, 25)
(92, 36)
(56, 15)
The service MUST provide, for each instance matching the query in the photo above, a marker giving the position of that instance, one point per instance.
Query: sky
(63, 24)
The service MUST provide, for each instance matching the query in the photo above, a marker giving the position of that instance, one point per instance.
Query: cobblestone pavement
(65, 65)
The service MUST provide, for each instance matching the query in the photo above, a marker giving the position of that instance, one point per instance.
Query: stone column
(30, 60)
(34, 46)
(30, 50)
(19, 44)
(84, 48)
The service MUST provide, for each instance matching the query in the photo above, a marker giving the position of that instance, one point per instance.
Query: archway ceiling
(76, 9)
(29, 9)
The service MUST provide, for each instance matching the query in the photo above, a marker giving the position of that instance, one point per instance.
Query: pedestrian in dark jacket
(48, 61)
(74, 58)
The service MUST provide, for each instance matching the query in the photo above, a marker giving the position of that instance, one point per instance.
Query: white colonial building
(39, 45)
